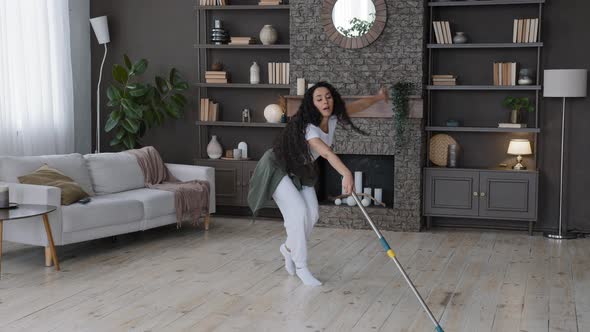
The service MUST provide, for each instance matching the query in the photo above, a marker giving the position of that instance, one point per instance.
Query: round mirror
(353, 23)
(353, 18)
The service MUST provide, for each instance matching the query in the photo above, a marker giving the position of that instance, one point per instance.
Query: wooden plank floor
(232, 279)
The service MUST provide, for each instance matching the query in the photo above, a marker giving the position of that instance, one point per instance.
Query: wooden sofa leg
(207, 219)
(48, 259)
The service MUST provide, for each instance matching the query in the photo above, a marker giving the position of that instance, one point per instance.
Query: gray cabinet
(509, 195)
(451, 193)
(490, 194)
(231, 180)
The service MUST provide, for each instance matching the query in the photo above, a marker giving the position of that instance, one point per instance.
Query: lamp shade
(565, 83)
(101, 29)
(519, 147)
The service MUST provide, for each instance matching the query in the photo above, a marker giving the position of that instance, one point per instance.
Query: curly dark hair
(291, 149)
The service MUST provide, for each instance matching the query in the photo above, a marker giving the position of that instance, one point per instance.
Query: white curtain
(36, 91)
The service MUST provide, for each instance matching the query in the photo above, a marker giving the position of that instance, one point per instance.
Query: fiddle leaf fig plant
(518, 104)
(138, 106)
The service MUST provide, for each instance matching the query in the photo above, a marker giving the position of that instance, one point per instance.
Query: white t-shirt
(314, 131)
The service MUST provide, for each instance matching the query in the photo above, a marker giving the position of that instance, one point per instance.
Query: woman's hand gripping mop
(391, 254)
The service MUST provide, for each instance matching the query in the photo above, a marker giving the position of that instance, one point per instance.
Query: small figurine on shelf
(284, 118)
(246, 115)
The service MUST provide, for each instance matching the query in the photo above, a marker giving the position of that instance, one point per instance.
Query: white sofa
(119, 201)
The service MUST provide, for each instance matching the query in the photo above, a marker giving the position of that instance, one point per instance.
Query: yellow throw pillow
(71, 192)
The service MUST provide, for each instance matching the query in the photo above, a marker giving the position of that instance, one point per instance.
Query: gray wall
(164, 32)
(80, 42)
(566, 28)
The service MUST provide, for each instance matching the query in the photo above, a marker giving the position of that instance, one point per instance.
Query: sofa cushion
(71, 165)
(114, 172)
(156, 203)
(71, 192)
(101, 211)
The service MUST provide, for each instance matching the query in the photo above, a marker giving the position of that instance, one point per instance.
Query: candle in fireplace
(358, 182)
(378, 195)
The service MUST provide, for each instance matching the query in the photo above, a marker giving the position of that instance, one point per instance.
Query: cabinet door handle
(482, 194)
(475, 193)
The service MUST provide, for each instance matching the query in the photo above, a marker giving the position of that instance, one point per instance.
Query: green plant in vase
(401, 109)
(515, 105)
(138, 106)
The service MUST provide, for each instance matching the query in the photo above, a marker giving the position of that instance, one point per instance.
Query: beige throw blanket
(191, 198)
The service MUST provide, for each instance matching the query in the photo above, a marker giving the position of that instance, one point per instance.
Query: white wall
(80, 45)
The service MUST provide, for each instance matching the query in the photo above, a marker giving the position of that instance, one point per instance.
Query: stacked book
(504, 73)
(215, 77)
(242, 40)
(209, 110)
(269, 2)
(525, 30)
(278, 73)
(213, 2)
(442, 32)
(512, 125)
(444, 80)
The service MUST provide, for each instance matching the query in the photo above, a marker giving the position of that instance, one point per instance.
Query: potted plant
(401, 109)
(515, 105)
(138, 106)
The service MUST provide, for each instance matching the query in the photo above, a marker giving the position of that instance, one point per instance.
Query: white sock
(306, 276)
(289, 265)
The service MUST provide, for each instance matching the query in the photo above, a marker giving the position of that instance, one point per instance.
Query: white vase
(244, 148)
(254, 73)
(214, 150)
(273, 113)
(268, 35)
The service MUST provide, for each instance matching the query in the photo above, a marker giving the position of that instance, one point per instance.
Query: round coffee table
(26, 211)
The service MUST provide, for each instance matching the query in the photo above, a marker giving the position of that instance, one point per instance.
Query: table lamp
(519, 147)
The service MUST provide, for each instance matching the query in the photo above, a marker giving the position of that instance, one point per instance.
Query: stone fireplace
(376, 172)
(403, 199)
(397, 55)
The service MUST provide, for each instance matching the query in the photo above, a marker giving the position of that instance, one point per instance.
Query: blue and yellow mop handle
(391, 254)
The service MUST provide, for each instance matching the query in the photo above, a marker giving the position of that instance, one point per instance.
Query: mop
(391, 254)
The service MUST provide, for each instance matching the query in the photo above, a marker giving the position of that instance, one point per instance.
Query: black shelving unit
(438, 181)
(486, 45)
(483, 3)
(240, 124)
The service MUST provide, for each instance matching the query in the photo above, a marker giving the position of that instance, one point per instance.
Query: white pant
(300, 212)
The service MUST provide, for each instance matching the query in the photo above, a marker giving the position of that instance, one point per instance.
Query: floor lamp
(101, 31)
(563, 83)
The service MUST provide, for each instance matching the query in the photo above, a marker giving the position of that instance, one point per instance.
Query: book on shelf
(216, 77)
(512, 125)
(525, 30)
(444, 80)
(208, 110)
(504, 73)
(278, 73)
(442, 32)
(213, 2)
(242, 40)
(269, 2)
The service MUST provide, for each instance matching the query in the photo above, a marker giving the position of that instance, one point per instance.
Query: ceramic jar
(273, 113)
(254, 73)
(214, 150)
(268, 35)
(460, 38)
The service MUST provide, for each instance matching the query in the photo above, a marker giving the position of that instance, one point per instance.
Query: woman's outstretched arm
(326, 152)
(364, 103)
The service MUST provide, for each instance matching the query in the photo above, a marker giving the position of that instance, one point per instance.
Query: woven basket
(439, 147)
